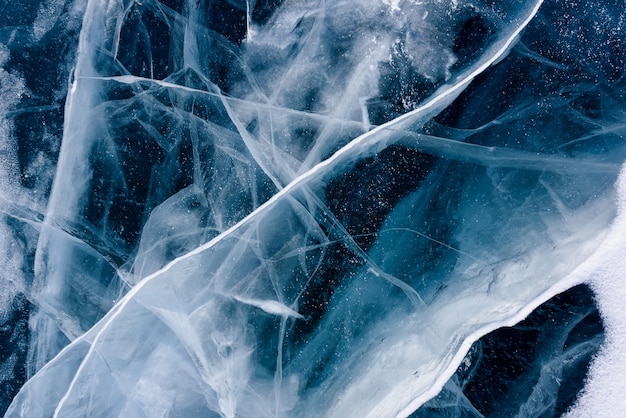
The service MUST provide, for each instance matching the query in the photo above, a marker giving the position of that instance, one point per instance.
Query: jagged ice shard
(312, 209)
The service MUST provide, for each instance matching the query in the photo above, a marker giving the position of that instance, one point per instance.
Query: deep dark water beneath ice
(356, 208)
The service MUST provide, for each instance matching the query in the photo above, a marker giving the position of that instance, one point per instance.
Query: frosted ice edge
(604, 392)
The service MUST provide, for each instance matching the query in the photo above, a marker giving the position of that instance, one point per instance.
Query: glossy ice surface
(307, 208)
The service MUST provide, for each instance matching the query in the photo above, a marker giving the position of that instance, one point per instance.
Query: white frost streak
(270, 306)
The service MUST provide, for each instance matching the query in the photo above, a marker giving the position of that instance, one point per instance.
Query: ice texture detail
(267, 209)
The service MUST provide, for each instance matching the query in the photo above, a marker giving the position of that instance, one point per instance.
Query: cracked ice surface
(307, 209)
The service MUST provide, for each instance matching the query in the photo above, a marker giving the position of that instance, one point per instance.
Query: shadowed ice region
(365, 208)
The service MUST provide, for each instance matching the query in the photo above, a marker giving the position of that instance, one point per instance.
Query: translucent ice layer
(304, 208)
